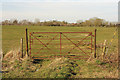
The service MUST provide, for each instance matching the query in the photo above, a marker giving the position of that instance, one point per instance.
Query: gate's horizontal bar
(45, 53)
(44, 48)
(88, 52)
(41, 58)
(82, 44)
(64, 39)
(87, 49)
(59, 32)
(46, 57)
(61, 55)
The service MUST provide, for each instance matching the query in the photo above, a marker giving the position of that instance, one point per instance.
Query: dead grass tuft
(13, 55)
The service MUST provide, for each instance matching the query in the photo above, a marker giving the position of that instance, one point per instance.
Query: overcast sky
(68, 10)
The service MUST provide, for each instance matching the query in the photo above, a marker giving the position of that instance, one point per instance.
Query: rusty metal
(78, 43)
(60, 43)
(43, 53)
(26, 36)
(49, 42)
(52, 39)
(63, 55)
(75, 44)
(65, 38)
(42, 44)
(58, 32)
(91, 42)
(95, 44)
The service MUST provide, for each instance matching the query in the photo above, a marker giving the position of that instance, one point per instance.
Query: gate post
(95, 44)
(91, 42)
(60, 42)
(26, 35)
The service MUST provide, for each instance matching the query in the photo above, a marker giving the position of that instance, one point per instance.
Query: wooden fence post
(95, 44)
(21, 43)
(26, 31)
(104, 50)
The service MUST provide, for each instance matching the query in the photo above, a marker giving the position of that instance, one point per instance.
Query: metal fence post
(26, 31)
(95, 44)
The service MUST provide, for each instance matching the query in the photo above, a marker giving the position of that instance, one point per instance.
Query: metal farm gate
(73, 45)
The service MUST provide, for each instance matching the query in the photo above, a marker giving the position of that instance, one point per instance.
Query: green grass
(11, 36)
(60, 68)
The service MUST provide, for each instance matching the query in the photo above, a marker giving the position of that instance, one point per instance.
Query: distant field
(11, 35)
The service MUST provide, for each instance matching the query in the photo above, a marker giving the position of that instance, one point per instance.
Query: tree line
(91, 22)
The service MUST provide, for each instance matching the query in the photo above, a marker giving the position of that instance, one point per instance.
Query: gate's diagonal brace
(51, 39)
(79, 43)
(74, 44)
(49, 42)
(41, 42)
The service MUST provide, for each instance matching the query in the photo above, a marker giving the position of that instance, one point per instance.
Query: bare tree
(15, 22)
(24, 22)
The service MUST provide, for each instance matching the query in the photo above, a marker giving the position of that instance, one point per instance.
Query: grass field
(11, 36)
